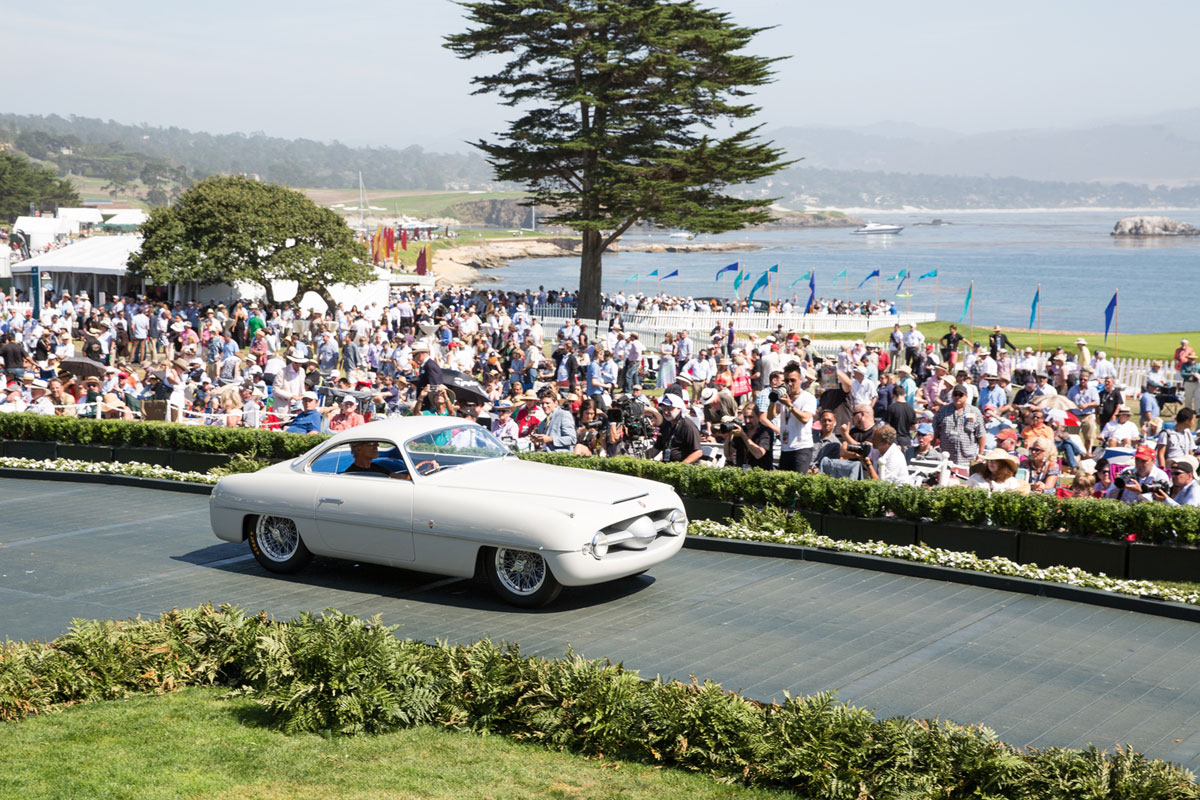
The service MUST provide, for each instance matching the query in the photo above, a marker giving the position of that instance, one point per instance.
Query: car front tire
(276, 544)
(520, 577)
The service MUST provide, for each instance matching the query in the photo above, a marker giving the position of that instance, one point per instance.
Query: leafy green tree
(22, 182)
(620, 98)
(231, 228)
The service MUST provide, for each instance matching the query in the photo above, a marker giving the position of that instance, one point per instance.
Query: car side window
(332, 461)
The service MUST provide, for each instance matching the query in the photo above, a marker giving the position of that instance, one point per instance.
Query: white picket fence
(694, 321)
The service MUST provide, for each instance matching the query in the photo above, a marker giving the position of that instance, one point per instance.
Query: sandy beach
(469, 263)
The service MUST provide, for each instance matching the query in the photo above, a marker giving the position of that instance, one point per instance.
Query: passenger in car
(365, 454)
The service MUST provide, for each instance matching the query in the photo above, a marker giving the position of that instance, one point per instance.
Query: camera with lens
(597, 425)
(1130, 476)
(863, 450)
(727, 427)
(629, 414)
(774, 395)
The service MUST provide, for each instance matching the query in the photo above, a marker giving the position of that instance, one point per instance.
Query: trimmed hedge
(1037, 513)
(338, 674)
(1152, 522)
(248, 442)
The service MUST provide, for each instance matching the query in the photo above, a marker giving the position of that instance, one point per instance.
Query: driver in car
(365, 454)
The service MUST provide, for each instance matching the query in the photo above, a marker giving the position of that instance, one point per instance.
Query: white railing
(755, 321)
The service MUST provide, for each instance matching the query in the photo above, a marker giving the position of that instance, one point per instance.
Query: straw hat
(1000, 454)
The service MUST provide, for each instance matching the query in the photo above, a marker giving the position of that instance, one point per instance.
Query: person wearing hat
(503, 424)
(1120, 432)
(958, 428)
(997, 472)
(717, 405)
(922, 444)
(997, 340)
(346, 416)
(678, 439)
(1189, 373)
(39, 402)
(13, 399)
(289, 384)
(1184, 490)
(529, 415)
(310, 417)
(1135, 484)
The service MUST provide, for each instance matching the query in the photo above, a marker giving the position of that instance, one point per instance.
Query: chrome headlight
(677, 522)
(599, 546)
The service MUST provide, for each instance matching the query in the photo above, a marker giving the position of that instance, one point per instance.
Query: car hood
(513, 477)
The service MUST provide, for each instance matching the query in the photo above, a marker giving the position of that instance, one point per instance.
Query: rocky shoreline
(468, 264)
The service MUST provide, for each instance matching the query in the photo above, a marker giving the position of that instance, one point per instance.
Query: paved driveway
(1039, 671)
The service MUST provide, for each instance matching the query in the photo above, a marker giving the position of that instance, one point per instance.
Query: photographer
(751, 443)
(796, 412)
(882, 460)
(678, 439)
(1136, 484)
(1184, 490)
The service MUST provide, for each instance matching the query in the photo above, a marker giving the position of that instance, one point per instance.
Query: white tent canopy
(128, 216)
(84, 216)
(42, 230)
(99, 255)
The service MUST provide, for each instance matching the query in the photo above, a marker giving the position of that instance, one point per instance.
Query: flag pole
(936, 279)
(1039, 297)
(971, 309)
(878, 289)
(1117, 326)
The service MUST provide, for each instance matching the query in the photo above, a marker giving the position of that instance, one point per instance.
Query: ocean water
(1007, 254)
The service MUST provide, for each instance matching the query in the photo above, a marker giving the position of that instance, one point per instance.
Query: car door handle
(333, 500)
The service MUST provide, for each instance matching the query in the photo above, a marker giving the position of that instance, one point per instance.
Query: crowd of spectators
(910, 411)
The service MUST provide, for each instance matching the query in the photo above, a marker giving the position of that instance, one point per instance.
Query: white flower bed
(947, 558)
(134, 468)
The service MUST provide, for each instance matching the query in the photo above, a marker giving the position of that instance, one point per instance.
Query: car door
(366, 515)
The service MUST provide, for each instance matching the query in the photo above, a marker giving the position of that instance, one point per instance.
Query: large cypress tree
(619, 101)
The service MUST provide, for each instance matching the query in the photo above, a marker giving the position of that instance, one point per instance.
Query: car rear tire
(276, 543)
(520, 577)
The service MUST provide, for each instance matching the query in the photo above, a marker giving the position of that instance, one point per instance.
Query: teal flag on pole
(931, 274)
(653, 274)
(632, 277)
(1037, 296)
(760, 283)
(774, 269)
(967, 304)
(737, 282)
(803, 277)
(841, 274)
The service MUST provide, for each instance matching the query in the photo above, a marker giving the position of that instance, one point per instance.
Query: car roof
(397, 430)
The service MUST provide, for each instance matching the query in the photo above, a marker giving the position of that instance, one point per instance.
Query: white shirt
(795, 435)
(1120, 431)
(890, 465)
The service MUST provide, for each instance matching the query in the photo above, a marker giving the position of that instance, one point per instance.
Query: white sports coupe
(443, 495)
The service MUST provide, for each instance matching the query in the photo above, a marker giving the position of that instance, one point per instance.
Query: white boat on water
(682, 235)
(878, 227)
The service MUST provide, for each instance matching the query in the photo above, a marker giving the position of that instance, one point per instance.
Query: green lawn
(195, 744)
(1138, 345)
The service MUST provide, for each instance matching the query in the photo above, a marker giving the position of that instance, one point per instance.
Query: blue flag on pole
(1108, 314)
(812, 291)
(803, 277)
(760, 283)
(841, 274)
(1037, 297)
(672, 275)
(632, 277)
(931, 274)
(731, 268)
(874, 274)
(774, 269)
(967, 304)
(900, 285)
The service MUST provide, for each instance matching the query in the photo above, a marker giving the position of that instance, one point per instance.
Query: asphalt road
(1038, 671)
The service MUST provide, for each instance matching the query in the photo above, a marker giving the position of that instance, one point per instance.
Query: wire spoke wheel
(276, 543)
(521, 577)
(521, 571)
(277, 537)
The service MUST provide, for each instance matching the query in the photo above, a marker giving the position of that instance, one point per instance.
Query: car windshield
(455, 445)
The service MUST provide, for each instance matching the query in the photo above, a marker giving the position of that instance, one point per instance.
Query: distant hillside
(1156, 150)
(298, 162)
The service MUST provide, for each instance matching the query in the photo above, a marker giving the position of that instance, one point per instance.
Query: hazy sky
(374, 71)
